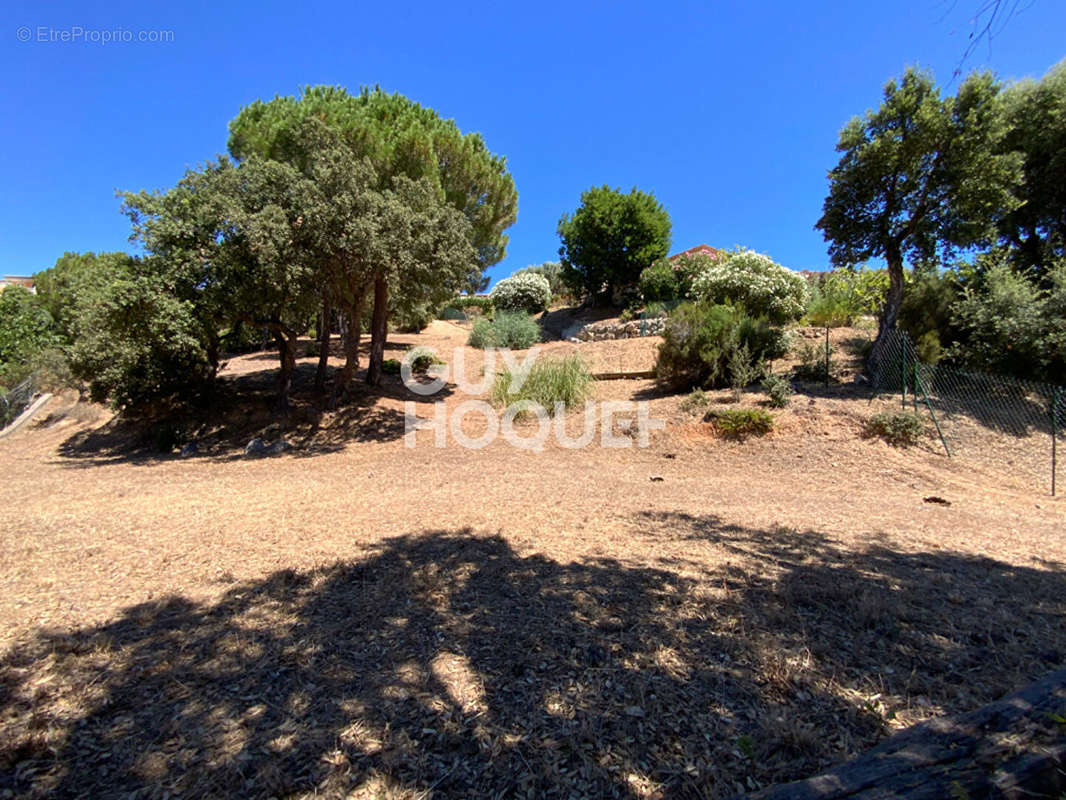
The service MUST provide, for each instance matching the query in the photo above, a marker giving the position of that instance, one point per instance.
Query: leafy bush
(654, 310)
(421, 358)
(413, 319)
(695, 402)
(140, 346)
(900, 428)
(659, 282)
(743, 369)
(517, 331)
(778, 390)
(552, 271)
(472, 301)
(754, 281)
(812, 366)
(925, 313)
(390, 366)
(740, 423)
(25, 329)
(546, 382)
(526, 291)
(670, 280)
(1002, 325)
(700, 343)
(840, 296)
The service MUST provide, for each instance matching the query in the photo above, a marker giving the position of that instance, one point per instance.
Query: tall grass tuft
(564, 380)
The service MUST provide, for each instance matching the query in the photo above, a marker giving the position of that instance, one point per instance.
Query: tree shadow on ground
(446, 664)
(243, 407)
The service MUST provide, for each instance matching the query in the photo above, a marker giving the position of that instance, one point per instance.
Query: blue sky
(727, 111)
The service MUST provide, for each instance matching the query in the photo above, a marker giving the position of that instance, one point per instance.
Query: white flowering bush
(526, 291)
(755, 281)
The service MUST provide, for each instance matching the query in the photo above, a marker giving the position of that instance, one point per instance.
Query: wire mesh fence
(14, 401)
(1019, 423)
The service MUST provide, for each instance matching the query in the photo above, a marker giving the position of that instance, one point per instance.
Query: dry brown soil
(358, 618)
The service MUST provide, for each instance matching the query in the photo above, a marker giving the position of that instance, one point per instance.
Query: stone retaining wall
(603, 331)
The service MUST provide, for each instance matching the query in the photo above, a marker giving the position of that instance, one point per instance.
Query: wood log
(1012, 748)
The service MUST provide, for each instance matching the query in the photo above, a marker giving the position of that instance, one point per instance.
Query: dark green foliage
(421, 359)
(26, 329)
(514, 330)
(699, 342)
(141, 346)
(659, 282)
(611, 238)
(1005, 324)
(74, 279)
(413, 319)
(920, 175)
(898, 428)
(1035, 112)
(390, 366)
(926, 310)
(778, 389)
(740, 423)
(472, 301)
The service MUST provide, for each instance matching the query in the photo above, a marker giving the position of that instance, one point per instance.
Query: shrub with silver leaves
(754, 280)
(526, 291)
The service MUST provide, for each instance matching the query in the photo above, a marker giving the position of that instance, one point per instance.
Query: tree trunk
(889, 312)
(323, 350)
(351, 339)
(287, 350)
(379, 329)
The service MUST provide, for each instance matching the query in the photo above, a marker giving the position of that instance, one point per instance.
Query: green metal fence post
(932, 414)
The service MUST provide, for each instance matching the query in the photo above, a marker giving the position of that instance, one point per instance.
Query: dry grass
(383, 622)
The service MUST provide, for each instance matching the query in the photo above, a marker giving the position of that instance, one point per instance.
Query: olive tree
(921, 174)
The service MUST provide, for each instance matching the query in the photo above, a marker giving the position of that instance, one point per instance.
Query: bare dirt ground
(356, 618)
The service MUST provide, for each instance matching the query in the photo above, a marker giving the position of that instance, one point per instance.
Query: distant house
(17, 280)
(700, 249)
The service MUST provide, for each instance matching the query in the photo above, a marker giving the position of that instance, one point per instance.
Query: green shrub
(26, 328)
(900, 428)
(421, 358)
(552, 271)
(657, 309)
(659, 282)
(1002, 324)
(472, 301)
(812, 366)
(700, 345)
(778, 390)
(546, 382)
(525, 291)
(740, 423)
(753, 280)
(390, 366)
(413, 319)
(744, 370)
(695, 403)
(517, 331)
